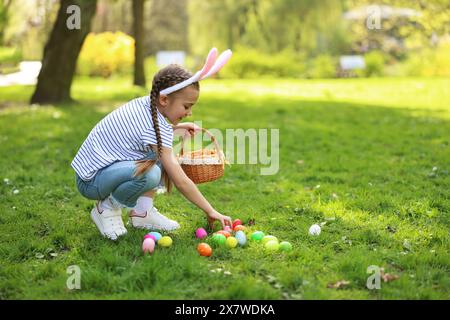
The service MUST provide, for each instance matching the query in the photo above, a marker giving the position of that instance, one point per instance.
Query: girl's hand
(190, 128)
(214, 215)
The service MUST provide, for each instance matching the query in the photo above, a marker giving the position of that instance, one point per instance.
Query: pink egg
(201, 233)
(150, 236)
(227, 228)
(148, 246)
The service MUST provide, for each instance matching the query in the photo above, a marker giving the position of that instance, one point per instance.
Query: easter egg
(204, 249)
(201, 233)
(236, 222)
(148, 246)
(165, 241)
(272, 246)
(285, 246)
(257, 235)
(227, 229)
(239, 227)
(231, 242)
(225, 233)
(240, 237)
(150, 236)
(268, 238)
(157, 235)
(314, 230)
(219, 239)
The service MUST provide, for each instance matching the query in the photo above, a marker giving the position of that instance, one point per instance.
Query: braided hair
(165, 78)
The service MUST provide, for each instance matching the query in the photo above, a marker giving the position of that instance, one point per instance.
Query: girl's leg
(112, 181)
(118, 180)
(150, 194)
(143, 203)
(145, 215)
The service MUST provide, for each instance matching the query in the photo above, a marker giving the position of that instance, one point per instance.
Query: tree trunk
(138, 32)
(4, 18)
(61, 53)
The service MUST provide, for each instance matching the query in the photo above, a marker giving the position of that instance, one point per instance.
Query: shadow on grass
(378, 161)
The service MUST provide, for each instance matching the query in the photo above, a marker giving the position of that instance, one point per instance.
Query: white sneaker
(154, 220)
(109, 222)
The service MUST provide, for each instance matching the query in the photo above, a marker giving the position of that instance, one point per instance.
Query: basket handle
(213, 139)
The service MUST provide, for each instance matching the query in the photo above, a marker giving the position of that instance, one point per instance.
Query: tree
(61, 53)
(166, 26)
(268, 26)
(138, 33)
(421, 24)
(4, 17)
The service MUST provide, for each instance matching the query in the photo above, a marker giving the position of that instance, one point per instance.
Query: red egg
(236, 223)
(204, 249)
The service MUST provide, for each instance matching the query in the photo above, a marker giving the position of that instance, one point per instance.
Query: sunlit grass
(367, 157)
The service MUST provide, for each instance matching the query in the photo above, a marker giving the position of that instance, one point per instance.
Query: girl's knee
(152, 177)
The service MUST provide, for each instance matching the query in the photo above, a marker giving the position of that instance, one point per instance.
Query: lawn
(367, 158)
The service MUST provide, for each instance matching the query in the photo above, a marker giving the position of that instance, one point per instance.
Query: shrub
(429, 62)
(250, 63)
(9, 59)
(323, 66)
(374, 64)
(10, 55)
(106, 53)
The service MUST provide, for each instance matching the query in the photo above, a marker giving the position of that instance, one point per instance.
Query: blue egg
(241, 238)
(157, 235)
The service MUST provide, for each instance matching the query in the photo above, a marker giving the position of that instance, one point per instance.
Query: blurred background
(274, 39)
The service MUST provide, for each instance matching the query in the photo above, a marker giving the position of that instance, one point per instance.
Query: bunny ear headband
(211, 67)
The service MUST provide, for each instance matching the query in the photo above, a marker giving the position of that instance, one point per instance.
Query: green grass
(367, 149)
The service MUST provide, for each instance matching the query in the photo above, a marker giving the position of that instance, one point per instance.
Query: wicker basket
(203, 165)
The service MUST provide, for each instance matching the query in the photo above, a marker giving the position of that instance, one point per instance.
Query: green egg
(257, 235)
(272, 246)
(219, 239)
(285, 246)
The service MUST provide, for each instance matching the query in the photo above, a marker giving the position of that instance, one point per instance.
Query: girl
(128, 154)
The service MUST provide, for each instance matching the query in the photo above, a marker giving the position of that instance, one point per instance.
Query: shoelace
(114, 222)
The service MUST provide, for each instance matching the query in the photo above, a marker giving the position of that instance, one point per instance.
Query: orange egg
(225, 233)
(239, 227)
(204, 249)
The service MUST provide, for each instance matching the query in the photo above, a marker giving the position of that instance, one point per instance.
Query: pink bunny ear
(212, 55)
(210, 67)
(220, 62)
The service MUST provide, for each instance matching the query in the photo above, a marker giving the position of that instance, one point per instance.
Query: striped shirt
(124, 134)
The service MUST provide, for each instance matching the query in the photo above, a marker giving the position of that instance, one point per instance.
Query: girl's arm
(188, 188)
(189, 127)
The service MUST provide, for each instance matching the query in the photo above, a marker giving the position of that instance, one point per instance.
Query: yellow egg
(165, 241)
(231, 242)
(269, 238)
(272, 246)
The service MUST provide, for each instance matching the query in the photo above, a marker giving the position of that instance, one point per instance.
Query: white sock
(142, 205)
(108, 204)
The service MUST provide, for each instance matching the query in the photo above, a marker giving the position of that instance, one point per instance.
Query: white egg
(314, 230)
(241, 238)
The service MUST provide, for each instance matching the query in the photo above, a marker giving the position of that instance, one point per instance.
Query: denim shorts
(118, 180)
